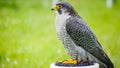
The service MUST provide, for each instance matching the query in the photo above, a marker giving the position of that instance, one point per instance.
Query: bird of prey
(78, 39)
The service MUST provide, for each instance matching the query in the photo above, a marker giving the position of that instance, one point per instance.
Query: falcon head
(63, 8)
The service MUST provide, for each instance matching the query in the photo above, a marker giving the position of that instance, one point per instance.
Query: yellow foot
(70, 61)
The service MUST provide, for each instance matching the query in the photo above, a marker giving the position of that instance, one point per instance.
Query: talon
(70, 61)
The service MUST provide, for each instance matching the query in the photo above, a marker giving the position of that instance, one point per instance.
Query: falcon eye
(60, 6)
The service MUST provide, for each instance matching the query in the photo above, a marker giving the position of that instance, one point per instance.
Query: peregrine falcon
(78, 39)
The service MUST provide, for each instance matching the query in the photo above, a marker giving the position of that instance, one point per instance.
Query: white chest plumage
(69, 45)
(63, 36)
(60, 21)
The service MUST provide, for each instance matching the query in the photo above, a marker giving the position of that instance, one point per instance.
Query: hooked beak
(52, 9)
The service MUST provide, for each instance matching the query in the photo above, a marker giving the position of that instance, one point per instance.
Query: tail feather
(107, 62)
(106, 66)
(110, 66)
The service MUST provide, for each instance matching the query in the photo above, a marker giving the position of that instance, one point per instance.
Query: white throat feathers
(60, 20)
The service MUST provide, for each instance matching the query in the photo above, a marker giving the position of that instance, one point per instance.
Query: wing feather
(82, 36)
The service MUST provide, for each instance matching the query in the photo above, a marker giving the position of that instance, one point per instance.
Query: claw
(70, 61)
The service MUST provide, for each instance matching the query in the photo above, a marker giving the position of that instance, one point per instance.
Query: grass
(28, 38)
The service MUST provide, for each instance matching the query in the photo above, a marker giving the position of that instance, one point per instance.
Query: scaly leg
(70, 61)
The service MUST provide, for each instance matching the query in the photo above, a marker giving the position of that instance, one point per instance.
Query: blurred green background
(28, 38)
